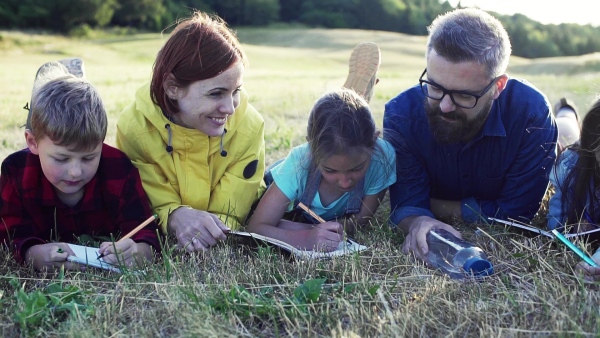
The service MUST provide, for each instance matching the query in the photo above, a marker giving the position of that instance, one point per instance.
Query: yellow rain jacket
(195, 174)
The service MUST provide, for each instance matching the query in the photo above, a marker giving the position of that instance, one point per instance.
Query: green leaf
(310, 291)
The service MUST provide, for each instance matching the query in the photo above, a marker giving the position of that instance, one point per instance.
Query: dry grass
(238, 290)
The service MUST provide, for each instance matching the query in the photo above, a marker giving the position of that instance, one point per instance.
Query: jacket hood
(184, 138)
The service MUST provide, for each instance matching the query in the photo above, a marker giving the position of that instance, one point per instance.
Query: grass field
(240, 291)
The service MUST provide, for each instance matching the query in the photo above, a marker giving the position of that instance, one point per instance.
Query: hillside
(289, 69)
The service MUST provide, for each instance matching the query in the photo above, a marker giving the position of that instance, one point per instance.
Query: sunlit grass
(236, 290)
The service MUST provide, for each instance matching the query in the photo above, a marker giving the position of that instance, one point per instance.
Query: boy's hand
(126, 252)
(50, 256)
(196, 230)
(325, 237)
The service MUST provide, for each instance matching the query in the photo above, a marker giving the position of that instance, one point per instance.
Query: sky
(545, 11)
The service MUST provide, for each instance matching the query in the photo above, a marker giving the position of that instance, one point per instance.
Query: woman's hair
(470, 34)
(69, 111)
(581, 183)
(199, 48)
(340, 122)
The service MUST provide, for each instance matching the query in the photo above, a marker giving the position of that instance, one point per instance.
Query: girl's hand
(196, 230)
(50, 256)
(324, 237)
(126, 252)
(590, 273)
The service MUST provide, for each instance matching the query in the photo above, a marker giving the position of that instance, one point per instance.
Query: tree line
(529, 38)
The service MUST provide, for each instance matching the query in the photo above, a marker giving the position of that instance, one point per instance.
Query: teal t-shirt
(291, 175)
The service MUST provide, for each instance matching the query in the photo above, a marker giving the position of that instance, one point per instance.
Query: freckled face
(205, 105)
(68, 171)
(344, 171)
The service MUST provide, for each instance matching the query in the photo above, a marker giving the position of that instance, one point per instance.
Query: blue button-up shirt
(502, 172)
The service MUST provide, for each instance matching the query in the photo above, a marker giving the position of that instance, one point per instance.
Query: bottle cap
(478, 267)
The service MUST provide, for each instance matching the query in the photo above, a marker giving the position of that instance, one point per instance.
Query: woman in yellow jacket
(197, 142)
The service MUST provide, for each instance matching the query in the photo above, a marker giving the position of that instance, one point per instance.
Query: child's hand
(325, 236)
(590, 273)
(126, 252)
(50, 256)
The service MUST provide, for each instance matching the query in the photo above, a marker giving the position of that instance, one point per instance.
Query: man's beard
(461, 130)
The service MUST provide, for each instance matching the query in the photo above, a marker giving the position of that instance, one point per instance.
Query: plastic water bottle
(456, 257)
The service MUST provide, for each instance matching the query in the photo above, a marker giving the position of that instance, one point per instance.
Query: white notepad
(89, 256)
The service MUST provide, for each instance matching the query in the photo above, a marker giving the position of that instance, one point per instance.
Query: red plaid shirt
(113, 203)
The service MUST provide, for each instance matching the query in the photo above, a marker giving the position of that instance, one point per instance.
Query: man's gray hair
(471, 34)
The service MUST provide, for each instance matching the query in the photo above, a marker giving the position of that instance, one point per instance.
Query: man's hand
(196, 230)
(416, 229)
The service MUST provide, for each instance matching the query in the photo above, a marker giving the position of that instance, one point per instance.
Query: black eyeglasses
(460, 98)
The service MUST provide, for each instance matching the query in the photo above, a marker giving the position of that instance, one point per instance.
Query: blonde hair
(69, 111)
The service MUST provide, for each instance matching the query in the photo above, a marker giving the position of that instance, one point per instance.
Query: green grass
(236, 290)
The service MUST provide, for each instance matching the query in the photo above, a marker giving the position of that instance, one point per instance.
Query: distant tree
(384, 15)
(246, 12)
(329, 13)
(289, 10)
(139, 13)
(63, 15)
(8, 13)
(260, 12)
(179, 9)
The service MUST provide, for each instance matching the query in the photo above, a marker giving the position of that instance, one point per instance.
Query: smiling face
(68, 171)
(205, 105)
(448, 122)
(342, 172)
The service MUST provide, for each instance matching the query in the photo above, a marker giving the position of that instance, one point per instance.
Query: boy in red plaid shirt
(68, 183)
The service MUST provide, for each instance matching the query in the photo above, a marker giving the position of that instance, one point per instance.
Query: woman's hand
(126, 252)
(196, 230)
(50, 256)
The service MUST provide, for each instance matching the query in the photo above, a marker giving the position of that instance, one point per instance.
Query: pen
(134, 231)
(574, 248)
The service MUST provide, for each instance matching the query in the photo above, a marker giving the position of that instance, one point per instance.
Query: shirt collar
(494, 126)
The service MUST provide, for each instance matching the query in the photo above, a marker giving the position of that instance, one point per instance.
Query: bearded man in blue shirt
(470, 142)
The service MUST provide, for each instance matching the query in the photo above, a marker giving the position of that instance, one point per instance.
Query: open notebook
(345, 248)
(89, 256)
(539, 231)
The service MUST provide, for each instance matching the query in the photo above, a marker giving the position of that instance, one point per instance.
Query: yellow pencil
(139, 227)
(310, 212)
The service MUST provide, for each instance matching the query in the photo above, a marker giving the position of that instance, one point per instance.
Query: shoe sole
(75, 66)
(364, 64)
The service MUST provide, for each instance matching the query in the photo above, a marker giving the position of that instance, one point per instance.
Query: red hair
(199, 48)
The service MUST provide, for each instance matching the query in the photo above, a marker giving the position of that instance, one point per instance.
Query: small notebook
(346, 247)
(89, 256)
(540, 231)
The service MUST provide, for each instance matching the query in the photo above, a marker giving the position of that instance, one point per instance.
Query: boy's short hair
(69, 111)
